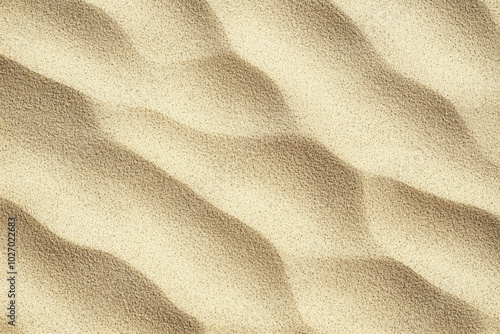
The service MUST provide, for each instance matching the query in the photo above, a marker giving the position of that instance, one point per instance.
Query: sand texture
(250, 166)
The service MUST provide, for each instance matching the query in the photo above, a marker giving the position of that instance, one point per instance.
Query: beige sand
(263, 166)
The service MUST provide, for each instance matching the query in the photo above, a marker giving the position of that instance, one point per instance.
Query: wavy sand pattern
(263, 166)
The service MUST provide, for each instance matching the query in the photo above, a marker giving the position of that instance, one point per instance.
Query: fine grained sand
(263, 166)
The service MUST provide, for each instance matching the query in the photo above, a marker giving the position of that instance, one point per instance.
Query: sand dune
(77, 285)
(360, 296)
(419, 226)
(306, 202)
(456, 53)
(370, 116)
(116, 202)
(94, 56)
(273, 166)
(193, 29)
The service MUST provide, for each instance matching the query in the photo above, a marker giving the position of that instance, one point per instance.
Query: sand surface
(250, 166)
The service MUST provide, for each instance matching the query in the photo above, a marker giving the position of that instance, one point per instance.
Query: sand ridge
(274, 166)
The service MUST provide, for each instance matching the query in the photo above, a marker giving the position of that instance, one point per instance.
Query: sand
(271, 166)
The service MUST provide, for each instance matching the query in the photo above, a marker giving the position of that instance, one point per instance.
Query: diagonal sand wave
(460, 245)
(364, 294)
(94, 56)
(347, 97)
(306, 202)
(116, 202)
(456, 52)
(85, 289)
(274, 166)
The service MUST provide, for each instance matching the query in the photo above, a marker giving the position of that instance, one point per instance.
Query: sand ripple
(271, 166)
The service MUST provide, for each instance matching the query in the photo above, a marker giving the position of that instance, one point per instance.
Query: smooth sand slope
(123, 205)
(85, 289)
(456, 52)
(79, 45)
(413, 226)
(271, 166)
(352, 102)
(304, 200)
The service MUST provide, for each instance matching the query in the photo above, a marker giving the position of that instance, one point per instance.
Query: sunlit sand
(234, 166)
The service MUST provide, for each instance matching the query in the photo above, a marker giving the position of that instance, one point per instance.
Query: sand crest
(270, 166)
